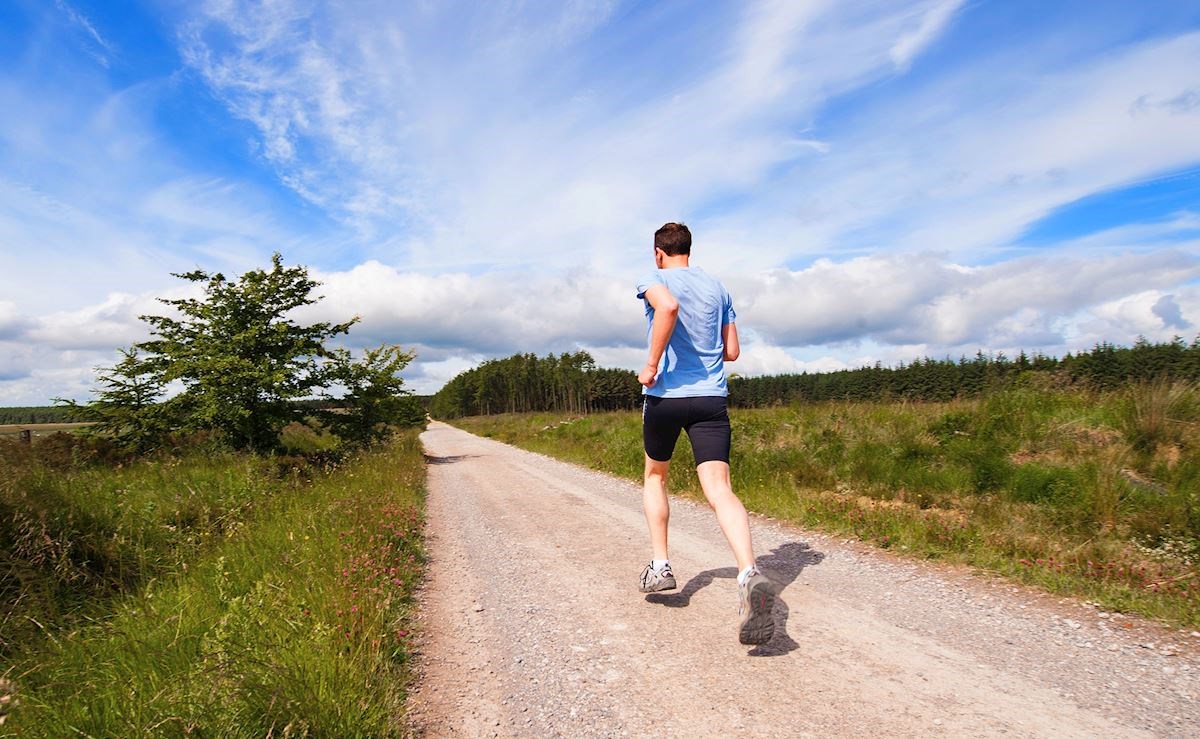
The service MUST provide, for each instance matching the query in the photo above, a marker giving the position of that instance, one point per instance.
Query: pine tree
(127, 407)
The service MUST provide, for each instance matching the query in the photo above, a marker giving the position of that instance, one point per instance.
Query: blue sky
(875, 181)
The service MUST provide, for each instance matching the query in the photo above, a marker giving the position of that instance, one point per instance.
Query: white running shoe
(655, 580)
(756, 601)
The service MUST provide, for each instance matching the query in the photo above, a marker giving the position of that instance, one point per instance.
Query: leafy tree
(126, 407)
(239, 354)
(375, 398)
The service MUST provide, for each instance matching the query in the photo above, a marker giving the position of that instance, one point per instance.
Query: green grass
(1079, 493)
(74, 535)
(287, 620)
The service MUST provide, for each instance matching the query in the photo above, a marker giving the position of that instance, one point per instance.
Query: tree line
(35, 414)
(572, 383)
(1105, 367)
(567, 383)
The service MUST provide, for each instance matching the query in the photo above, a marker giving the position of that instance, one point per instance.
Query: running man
(692, 334)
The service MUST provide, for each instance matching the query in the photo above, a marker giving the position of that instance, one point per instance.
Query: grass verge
(291, 624)
(1083, 494)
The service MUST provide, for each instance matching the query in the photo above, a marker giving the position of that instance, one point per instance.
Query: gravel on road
(531, 624)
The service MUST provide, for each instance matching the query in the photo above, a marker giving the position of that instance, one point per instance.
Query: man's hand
(648, 375)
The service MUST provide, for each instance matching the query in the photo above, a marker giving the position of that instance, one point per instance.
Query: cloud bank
(890, 307)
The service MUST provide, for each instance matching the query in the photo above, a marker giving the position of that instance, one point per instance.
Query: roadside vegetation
(212, 593)
(1094, 493)
(233, 559)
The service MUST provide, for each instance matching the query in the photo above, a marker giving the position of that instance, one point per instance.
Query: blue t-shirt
(694, 363)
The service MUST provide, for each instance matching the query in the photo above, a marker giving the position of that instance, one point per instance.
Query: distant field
(39, 429)
(1097, 495)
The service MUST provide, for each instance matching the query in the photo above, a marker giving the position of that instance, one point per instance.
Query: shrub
(1155, 413)
(952, 425)
(1037, 483)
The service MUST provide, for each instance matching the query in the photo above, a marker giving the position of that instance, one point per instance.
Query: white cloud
(105, 326)
(493, 313)
(31, 374)
(427, 377)
(95, 45)
(760, 358)
(932, 23)
(1142, 314)
(924, 298)
(12, 322)
(45, 383)
(15, 361)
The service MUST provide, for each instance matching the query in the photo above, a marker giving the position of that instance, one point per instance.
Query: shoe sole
(664, 585)
(759, 625)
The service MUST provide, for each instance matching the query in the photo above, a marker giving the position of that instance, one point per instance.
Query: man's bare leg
(731, 514)
(654, 501)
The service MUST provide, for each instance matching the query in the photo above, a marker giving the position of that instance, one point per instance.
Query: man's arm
(666, 311)
(729, 337)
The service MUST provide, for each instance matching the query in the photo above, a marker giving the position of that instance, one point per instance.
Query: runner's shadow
(682, 598)
(451, 459)
(783, 565)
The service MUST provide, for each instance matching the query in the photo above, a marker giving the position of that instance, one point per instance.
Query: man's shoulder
(711, 279)
(680, 278)
(648, 280)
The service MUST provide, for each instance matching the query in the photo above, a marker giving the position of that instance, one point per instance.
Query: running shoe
(655, 580)
(756, 601)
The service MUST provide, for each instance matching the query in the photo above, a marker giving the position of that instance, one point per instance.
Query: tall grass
(1086, 493)
(74, 530)
(290, 621)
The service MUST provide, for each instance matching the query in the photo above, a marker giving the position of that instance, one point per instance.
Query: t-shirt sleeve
(647, 281)
(728, 314)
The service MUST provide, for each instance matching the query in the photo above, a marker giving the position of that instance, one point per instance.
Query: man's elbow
(670, 308)
(731, 355)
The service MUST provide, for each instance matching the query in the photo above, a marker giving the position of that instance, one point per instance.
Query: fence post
(26, 436)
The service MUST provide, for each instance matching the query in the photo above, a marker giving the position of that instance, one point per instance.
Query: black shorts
(705, 419)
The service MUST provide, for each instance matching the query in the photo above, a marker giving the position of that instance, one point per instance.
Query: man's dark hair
(674, 239)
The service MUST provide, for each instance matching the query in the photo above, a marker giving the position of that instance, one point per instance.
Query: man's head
(672, 240)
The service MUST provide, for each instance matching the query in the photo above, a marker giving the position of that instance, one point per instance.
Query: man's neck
(675, 262)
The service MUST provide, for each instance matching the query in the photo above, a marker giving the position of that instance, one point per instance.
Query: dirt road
(532, 626)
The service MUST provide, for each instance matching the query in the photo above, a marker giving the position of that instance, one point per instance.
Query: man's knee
(713, 473)
(656, 469)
